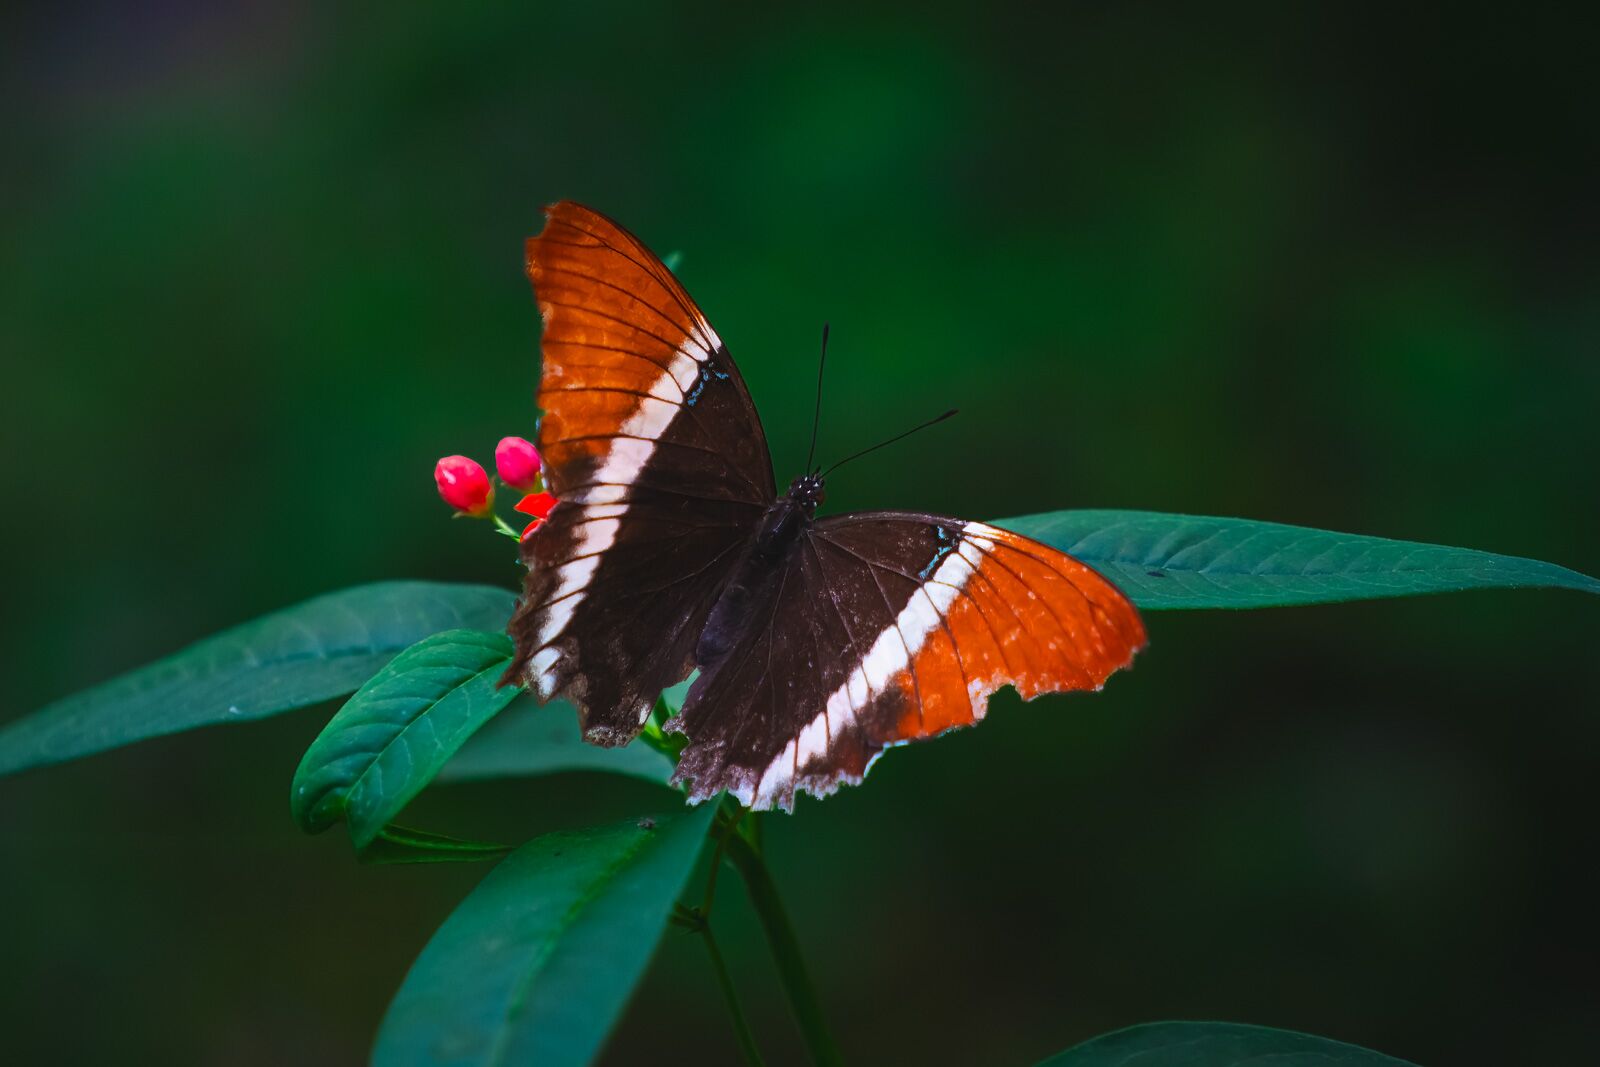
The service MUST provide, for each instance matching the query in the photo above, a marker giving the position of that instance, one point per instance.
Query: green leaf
(389, 740)
(1215, 1045)
(527, 740)
(400, 844)
(1188, 561)
(539, 960)
(322, 648)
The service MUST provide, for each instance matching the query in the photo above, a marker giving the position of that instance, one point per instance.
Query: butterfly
(819, 642)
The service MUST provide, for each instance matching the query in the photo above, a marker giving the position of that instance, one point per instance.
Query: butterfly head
(807, 491)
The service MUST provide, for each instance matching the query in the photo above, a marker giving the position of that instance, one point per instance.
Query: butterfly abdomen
(777, 537)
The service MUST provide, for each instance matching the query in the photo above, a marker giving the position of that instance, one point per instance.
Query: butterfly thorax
(778, 535)
(785, 521)
(807, 491)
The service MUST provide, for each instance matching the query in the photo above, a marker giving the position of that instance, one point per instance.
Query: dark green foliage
(536, 964)
(538, 961)
(389, 740)
(301, 655)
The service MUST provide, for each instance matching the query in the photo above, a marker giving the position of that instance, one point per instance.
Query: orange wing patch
(1014, 612)
(618, 331)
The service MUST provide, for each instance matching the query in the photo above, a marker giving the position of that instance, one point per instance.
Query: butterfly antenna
(816, 416)
(890, 441)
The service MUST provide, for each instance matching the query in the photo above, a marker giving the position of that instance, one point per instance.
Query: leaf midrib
(377, 755)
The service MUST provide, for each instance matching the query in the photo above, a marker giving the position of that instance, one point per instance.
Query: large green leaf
(327, 646)
(1190, 561)
(526, 739)
(1215, 1045)
(322, 648)
(539, 960)
(389, 740)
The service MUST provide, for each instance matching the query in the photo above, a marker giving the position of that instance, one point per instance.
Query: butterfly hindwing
(656, 455)
(888, 627)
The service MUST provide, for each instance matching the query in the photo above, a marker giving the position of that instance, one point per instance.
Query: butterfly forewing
(655, 452)
(889, 627)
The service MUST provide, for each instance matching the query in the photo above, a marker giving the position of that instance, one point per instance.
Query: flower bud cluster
(467, 487)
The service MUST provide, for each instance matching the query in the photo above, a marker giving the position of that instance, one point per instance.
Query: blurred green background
(262, 264)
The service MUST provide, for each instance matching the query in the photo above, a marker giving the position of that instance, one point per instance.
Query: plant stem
(747, 1040)
(729, 828)
(785, 950)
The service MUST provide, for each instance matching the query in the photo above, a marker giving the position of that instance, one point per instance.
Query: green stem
(785, 950)
(652, 736)
(747, 1040)
(729, 828)
(504, 527)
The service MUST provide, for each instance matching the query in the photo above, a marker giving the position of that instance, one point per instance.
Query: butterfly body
(777, 537)
(819, 642)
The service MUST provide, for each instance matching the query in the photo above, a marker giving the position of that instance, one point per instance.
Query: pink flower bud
(464, 485)
(517, 462)
(538, 505)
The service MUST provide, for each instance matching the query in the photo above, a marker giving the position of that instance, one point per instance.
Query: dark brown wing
(656, 454)
(885, 628)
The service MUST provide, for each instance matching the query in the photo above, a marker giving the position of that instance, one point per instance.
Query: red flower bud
(518, 463)
(538, 505)
(464, 485)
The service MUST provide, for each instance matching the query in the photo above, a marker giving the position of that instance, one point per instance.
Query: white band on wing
(892, 652)
(606, 501)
